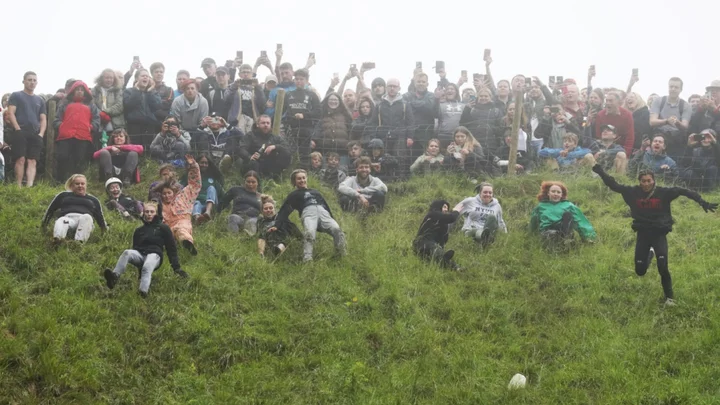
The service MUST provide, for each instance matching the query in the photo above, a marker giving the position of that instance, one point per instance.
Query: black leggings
(658, 241)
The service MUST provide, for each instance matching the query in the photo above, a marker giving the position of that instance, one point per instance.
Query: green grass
(376, 327)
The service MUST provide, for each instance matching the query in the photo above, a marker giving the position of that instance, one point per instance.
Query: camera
(698, 137)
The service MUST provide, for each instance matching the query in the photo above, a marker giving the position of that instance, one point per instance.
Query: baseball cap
(271, 78)
(609, 128)
(222, 69)
(208, 61)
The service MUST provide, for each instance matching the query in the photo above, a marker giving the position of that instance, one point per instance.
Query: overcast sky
(79, 38)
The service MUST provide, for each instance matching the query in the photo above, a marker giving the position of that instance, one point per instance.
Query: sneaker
(307, 259)
(143, 294)
(670, 302)
(190, 246)
(449, 255)
(110, 278)
(201, 219)
(181, 273)
(650, 256)
(279, 249)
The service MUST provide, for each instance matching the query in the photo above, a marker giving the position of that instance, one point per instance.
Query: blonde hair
(71, 180)
(571, 137)
(470, 141)
(316, 155)
(639, 101)
(150, 204)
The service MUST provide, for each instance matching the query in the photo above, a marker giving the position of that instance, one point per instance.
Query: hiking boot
(448, 255)
(190, 247)
(110, 278)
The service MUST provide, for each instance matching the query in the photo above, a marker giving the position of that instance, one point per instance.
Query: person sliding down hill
(276, 240)
(149, 241)
(556, 218)
(177, 204)
(484, 215)
(652, 220)
(432, 236)
(314, 213)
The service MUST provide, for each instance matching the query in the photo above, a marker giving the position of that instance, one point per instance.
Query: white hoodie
(477, 213)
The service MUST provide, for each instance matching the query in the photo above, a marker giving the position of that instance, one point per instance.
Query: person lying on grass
(149, 241)
(177, 204)
(429, 244)
(77, 211)
(556, 218)
(276, 240)
(652, 220)
(483, 215)
(314, 213)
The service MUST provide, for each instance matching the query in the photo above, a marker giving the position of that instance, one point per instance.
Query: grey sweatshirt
(477, 213)
(190, 115)
(350, 186)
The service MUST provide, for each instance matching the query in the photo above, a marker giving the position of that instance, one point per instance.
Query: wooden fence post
(512, 159)
(50, 140)
(279, 104)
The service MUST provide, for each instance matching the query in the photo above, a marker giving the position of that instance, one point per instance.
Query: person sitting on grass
(167, 173)
(332, 174)
(177, 204)
(430, 161)
(149, 242)
(77, 211)
(483, 215)
(382, 166)
(127, 206)
(522, 160)
(466, 155)
(362, 191)
(611, 154)
(652, 220)
(652, 156)
(571, 155)
(429, 244)
(171, 143)
(314, 213)
(245, 205)
(120, 157)
(277, 240)
(556, 218)
(211, 192)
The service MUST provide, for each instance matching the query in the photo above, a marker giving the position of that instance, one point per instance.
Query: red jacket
(624, 127)
(77, 119)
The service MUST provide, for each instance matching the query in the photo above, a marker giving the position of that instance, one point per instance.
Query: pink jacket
(181, 208)
(125, 148)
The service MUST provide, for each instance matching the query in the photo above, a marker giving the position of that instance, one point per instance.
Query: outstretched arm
(609, 180)
(707, 206)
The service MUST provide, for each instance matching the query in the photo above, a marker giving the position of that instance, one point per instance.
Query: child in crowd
(383, 165)
(316, 164)
(570, 156)
(611, 155)
(332, 175)
(522, 160)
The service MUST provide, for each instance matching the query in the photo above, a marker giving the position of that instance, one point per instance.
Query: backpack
(662, 105)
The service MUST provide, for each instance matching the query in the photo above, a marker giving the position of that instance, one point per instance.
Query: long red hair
(545, 189)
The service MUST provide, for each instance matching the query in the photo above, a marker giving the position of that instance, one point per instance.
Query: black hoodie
(650, 211)
(153, 236)
(436, 224)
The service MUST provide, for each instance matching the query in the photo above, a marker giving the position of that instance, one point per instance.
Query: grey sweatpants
(316, 218)
(237, 222)
(147, 264)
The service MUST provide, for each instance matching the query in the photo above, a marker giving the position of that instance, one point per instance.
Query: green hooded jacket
(548, 213)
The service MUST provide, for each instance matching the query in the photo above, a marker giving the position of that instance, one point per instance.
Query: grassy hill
(376, 327)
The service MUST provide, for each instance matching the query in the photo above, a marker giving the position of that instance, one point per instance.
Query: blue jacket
(572, 157)
(140, 106)
(647, 160)
(288, 86)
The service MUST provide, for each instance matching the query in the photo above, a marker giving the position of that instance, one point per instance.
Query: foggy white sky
(79, 38)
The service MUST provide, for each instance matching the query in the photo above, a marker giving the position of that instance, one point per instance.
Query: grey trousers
(238, 222)
(316, 218)
(147, 264)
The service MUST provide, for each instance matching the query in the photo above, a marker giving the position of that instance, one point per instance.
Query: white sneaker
(670, 302)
